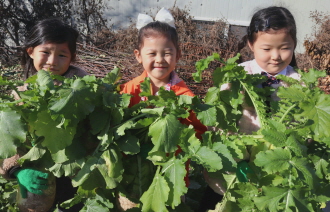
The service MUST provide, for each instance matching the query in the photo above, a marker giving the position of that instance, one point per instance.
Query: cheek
(262, 56)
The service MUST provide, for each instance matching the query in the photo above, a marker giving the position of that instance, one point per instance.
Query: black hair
(271, 18)
(157, 28)
(52, 30)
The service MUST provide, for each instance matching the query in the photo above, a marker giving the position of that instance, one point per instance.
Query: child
(158, 51)
(51, 45)
(271, 36)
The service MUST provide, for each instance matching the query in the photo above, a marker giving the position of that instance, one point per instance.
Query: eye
(44, 52)
(62, 55)
(168, 53)
(266, 49)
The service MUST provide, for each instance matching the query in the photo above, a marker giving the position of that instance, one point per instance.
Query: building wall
(236, 12)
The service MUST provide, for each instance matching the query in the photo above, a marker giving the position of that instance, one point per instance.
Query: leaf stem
(225, 198)
(140, 176)
(259, 116)
(286, 112)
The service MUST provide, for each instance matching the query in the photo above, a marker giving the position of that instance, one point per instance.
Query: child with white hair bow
(158, 51)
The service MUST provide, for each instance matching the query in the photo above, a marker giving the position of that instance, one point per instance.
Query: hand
(31, 180)
(242, 170)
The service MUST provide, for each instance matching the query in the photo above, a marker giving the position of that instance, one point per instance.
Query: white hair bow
(163, 15)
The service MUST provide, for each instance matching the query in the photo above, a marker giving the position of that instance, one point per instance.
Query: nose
(51, 60)
(159, 58)
(275, 55)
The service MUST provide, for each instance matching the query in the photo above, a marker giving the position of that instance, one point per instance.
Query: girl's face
(273, 51)
(158, 56)
(53, 56)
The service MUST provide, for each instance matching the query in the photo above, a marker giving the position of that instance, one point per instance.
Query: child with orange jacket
(158, 51)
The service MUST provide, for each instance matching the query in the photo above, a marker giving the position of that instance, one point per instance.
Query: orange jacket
(133, 87)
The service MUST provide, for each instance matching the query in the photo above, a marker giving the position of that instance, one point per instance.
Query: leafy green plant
(126, 150)
(8, 195)
(289, 154)
(85, 129)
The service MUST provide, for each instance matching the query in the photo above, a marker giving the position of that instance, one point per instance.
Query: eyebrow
(283, 44)
(166, 49)
(61, 51)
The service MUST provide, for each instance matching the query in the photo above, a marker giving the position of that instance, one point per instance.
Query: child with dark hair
(50, 45)
(158, 51)
(271, 36)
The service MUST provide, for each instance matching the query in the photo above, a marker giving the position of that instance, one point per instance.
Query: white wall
(237, 12)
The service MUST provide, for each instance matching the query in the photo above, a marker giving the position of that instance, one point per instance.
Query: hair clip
(163, 15)
(256, 26)
(267, 25)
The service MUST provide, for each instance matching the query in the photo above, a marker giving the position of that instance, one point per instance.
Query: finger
(40, 181)
(41, 186)
(42, 175)
(36, 191)
(23, 191)
(37, 187)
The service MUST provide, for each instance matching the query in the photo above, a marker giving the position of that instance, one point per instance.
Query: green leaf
(321, 166)
(156, 196)
(207, 157)
(35, 153)
(225, 154)
(113, 76)
(246, 192)
(302, 165)
(233, 60)
(292, 199)
(206, 114)
(112, 167)
(294, 93)
(174, 172)
(45, 81)
(165, 133)
(183, 99)
(94, 205)
(273, 160)
(317, 109)
(12, 133)
(212, 96)
(310, 78)
(203, 64)
(60, 156)
(146, 88)
(295, 146)
(56, 138)
(274, 137)
(73, 103)
(68, 168)
(129, 144)
(82, 175)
